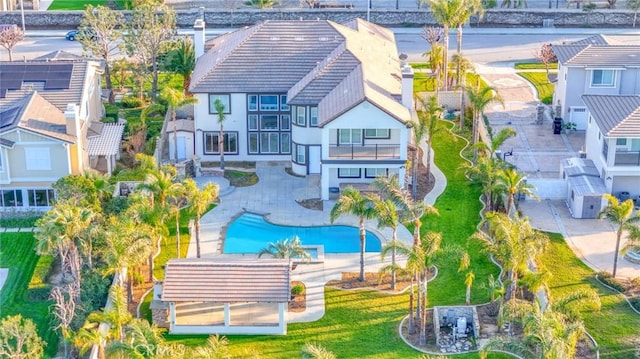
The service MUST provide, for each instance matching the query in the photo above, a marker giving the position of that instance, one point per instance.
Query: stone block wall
(236, 18)
(160, 313)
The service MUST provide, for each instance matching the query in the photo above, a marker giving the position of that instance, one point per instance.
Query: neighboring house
(595, 66)
(333, 99)
(613, 141)
(50, 111)
(214, 295)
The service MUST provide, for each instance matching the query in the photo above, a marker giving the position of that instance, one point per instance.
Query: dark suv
(73, 35)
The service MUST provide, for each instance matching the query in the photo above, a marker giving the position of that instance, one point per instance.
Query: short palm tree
(117, 317)
(315, 351)
(512, 182)
(479, 99)
(496, 140)
(287, 249)
(351, 201)
(221, 118)
(387, 215)
(199, 201)
(176, 99)
(622, 216)
(216, 347)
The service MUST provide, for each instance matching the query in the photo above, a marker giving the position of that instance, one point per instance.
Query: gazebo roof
(227, 280)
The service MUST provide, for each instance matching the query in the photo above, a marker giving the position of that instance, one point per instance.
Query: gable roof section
(60, 55)
(35, 114)
(596, 51)
(268, 57)
(226, 281)
(599, 39)
(615, 115)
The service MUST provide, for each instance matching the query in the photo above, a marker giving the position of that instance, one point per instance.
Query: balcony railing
(627, 158)
(363, 152)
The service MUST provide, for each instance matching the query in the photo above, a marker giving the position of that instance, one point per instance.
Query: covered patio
(104, 149)
(227, 296)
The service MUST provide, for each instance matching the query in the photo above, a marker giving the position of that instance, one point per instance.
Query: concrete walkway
(538, 153)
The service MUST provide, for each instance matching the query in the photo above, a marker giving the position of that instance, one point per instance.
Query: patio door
(314, 160)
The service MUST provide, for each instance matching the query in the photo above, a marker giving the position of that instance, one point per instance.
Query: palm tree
(221, 118)
(315, 351)
(182, 60)
(446, 13)
(160, 183)
(514, 182)
(178, 199)
(622, 217)
(433, 35)
(286, 249)
(176, 99)
(479, 99)
(485, 174)
(351, 201)
(117, 317)
(89, 336)
(217, 347)
(143, 340)
(496, 140)
(387, 215)
(261, 4)
(428, 118)
(513, 243)
(199, 201)
(465, 263)
(467, 9)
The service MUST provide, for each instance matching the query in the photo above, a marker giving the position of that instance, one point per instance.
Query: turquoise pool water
(250, 233)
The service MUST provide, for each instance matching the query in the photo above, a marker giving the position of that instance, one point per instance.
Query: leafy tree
(485, 174)
(182, 60)
(176, 99)
(546, 55)
(287, 249)
(9, 38)
(19, 339)
(511, 181)
(315, 351)
(79, 190)
(351, 201)
(621, 215)
(634, 5)
(151, 27)
(221, 118)
(199, 201)
(261, 4)
(100, 34)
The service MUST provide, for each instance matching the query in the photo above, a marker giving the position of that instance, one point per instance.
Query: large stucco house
(333, 99)
(50, 111)
(597, 65)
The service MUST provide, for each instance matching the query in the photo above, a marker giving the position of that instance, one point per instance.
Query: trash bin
(557, 126)
(623, 196)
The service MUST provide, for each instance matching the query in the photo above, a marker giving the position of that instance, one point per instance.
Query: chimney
(72, 118)
(407, 86)
(198, 37)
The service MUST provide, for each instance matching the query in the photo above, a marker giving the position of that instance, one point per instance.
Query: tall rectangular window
(602, 78)
(253, 143)
(252, 102)
(225, 99)
(37, 158)
(285, 142)
(300, 154)
(313, 116)
(301, 116)
(283, 103)
(253, 122)
(285, 122)
(269, 142)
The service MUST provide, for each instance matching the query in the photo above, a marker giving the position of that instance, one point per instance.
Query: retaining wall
(234, 18)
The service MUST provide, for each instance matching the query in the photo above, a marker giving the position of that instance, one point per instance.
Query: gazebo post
(227, 315)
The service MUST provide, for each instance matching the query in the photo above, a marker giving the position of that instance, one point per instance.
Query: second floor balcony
(364, 152)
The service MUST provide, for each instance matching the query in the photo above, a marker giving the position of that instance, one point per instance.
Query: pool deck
(275, 195)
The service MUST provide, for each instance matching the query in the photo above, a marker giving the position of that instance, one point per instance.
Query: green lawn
(79, 5)
(542, 85)
(21, 222)
(534, 66)
(17, 253)
(615, 327)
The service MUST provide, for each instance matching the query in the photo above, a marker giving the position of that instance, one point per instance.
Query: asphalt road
(483, 46)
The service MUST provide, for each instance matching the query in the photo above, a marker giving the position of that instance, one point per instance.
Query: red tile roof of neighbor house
(227, 280)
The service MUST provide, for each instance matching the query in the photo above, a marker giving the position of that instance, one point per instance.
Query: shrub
(635, 302)
(111, 110)
(131, 102)
(608, 279)
(489, 4)
(297, 289)
(39, 294)
(41, 273)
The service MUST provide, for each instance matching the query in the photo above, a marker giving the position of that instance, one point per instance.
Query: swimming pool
(250, 233)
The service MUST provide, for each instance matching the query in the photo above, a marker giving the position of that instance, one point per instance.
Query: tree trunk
(414, 173)
(422, 339)
(198, 237)
(154, 82)
(428, 160)
(108, 82)
(393, 261)
(221, 146)
(178, 232)
(445, 55)
(615, 254)
(416, 233)
(468, 295)
(363, 238)
(175, 134)
(412, 329)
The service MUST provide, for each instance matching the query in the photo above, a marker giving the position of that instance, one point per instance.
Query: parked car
(73, 35)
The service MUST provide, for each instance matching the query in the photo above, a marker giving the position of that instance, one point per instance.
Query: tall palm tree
(182, 60)
(177, 199)
(513, 243)
(286, 249)
(512, 182)
(446, 13)
(479, 99)
(467, 9)
(351, 201)
(221, 118)
(176, 99)
(428, 118)
(387, 215)
(199, 201)
(620, 215)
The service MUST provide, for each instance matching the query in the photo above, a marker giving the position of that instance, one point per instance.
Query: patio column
(282, 317)
(172, 315)
(324, 183)
(227, 315)
(109, 160)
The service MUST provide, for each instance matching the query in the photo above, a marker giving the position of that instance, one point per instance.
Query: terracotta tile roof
(615, 115)
(108, 142)
(226, 280)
